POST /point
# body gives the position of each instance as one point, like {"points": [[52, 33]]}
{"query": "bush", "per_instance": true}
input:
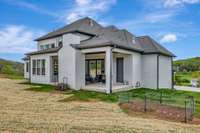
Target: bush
{"points": [[185, 81], [7, 69], [177, 79], [198, 82]]}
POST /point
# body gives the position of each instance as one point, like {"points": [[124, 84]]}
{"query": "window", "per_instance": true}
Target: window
{"points": [[47, 46], [27, 66], [60, 43], [42, 47], [43, 67], [38, 67], [52, 45], [34, 67]]}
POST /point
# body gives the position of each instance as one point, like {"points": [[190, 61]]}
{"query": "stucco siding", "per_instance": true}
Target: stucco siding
{"points": [[149, 71], [165, 72], [136, 66], [80, 69], [71, 62]]}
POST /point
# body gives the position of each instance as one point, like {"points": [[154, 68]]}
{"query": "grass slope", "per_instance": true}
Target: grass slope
{"points": [[11, 69]]}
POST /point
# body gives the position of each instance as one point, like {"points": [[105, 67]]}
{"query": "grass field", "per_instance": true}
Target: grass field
{"points": [[23, 108], [169, 97]]}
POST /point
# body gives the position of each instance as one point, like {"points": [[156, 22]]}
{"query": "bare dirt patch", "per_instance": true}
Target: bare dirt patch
{"points": [[158, 111], [29, 111]]}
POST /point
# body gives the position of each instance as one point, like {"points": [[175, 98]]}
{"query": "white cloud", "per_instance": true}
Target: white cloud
{"points": [[83, 2], [31, 6], [156, 17], [17, 39], [168, 38], [83, 8], [172, 3]]}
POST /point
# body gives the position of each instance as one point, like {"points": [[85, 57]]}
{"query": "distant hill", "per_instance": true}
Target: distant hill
{"points": [[11, 67], [188, 65]]}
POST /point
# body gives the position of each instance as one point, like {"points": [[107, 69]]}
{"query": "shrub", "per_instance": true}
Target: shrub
{"points": [[7, 69], [198, 82], [177, 79], [185, 81]]}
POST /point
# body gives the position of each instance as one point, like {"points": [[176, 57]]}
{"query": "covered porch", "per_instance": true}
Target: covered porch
{"points": [[107, 69]]}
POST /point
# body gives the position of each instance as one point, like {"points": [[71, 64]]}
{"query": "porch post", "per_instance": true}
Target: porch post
{"points": [[108, 70]]}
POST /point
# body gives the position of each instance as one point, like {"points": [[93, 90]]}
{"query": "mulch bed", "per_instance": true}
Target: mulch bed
{"points": [[157, 111]]}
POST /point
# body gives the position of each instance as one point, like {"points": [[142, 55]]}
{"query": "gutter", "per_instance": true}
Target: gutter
{"points": [[30, 69], [172, 73], [158, 70]]}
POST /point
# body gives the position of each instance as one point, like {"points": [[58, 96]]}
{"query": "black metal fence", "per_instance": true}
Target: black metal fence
{"points": [[150, 100]]}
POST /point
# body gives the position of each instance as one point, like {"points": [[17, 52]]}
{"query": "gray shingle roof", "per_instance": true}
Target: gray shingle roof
{"points": [[151, 46], [109, 36], [45, 51], [113, 37], [82, 26]]}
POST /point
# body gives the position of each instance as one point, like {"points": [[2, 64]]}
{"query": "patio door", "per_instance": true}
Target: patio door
{"points": [[120, 70], [94, 70], [54, 72]]}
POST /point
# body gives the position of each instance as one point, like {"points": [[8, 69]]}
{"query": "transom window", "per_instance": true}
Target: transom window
{"points": [[47, 46]]}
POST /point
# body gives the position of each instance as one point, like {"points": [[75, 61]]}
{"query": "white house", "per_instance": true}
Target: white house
{"points": [[86, 55]]}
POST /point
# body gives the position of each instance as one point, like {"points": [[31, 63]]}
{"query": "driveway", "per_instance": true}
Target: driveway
{"points": [[27, 111], [187, 88]]}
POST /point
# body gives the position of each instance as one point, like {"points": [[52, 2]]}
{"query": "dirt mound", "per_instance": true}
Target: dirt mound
{"points": [[158, 111]]}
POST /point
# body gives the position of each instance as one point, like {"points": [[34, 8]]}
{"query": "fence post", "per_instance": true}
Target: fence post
{"points": [[128, 98], [192, 106], [160, 97], [185, 111], [145, 103]]}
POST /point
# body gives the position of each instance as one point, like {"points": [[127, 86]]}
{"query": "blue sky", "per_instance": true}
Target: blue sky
{"points": [[173, 23]]}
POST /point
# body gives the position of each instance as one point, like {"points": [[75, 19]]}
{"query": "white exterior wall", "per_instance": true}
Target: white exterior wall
{"points": [[55, 40], [71, 62], [137, 68], [49, 41], [26, 74], [149, 71], [82, 36], [165, 72], [42, 79], [127, 67]]}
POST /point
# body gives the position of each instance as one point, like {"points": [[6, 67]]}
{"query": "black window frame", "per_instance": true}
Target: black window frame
{"points": [[27, 67], [34, 67], [43, 63]]}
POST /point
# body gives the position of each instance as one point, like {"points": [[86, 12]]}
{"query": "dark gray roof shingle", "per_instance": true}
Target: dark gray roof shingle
{"points": [[45, 51], [151, 46], [109, 36], [85, 25]]}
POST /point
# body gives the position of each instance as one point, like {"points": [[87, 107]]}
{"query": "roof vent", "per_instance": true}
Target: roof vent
{"points": [[133, 41], [91, 23]]}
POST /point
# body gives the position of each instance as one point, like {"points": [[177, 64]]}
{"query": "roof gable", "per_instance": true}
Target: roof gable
{"points": [[84, 26]]}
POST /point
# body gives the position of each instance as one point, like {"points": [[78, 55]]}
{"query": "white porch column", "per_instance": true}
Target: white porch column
{"points": [[108, 70]]}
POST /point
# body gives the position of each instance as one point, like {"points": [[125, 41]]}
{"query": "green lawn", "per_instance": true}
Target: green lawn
{"points": [[169, 97]]}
